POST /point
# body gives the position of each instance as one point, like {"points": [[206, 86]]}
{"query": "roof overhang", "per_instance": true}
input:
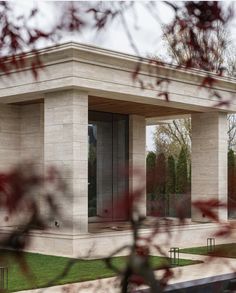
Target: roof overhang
{"points": [[108, 74]]}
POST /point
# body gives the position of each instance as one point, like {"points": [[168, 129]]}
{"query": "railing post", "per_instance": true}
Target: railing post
{"points": [[3, 278], [210, 245], [174, 256]]}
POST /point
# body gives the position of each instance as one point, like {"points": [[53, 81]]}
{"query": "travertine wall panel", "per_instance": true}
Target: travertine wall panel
{"points": [[209, 161], [9, 145], [9, 136], [51, 73], [137, 158], [66, 147], [32, 134], [21, 140]]}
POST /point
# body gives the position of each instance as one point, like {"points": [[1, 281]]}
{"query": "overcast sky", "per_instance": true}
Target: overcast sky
{"points": [[143, 27]]}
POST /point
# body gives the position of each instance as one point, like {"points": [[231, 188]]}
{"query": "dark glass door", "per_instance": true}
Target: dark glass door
{"points": [[107, 162]]}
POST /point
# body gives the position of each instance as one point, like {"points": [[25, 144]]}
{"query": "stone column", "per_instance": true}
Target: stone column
{"points": [[137, 158], [209, 161], [66, 147]]}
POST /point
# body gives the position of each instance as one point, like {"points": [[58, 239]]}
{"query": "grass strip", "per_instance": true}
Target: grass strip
{"points": [[221, 250], [45, 268]]}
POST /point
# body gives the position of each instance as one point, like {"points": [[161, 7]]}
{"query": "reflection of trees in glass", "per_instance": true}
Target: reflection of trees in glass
{"points": [[182, 173], [231, 184], [92, 169], [171, 176], [168, 185]]}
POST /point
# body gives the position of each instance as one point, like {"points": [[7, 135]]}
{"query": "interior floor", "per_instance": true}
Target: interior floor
{"points": [[148, 223]]}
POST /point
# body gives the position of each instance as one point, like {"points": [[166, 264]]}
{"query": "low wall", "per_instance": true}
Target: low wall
{"points": [[98, 245]]}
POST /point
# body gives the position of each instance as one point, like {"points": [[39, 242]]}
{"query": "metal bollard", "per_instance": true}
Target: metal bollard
{"points": [[211, 245], [3, 278], [174, 256]]}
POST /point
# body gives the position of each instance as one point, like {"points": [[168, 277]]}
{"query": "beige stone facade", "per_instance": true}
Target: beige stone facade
{"points": [[209, 161], [22, 134], [137, 159], [46, 120], [66, 148]]}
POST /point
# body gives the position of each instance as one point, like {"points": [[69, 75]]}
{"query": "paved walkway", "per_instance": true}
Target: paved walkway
{"points": [[215, 268]]}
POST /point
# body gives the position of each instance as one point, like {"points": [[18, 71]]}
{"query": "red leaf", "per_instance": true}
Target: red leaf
{"points": [[165, 95]]}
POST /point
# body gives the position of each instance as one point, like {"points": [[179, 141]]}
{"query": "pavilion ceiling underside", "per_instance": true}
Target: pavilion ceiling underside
{"points": [[127, 107]]}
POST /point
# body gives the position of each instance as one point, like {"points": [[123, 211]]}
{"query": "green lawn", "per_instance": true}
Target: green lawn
{"points": [[221, 250], [46, 268]]}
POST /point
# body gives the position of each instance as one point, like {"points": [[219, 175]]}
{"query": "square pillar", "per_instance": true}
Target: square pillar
{"points": [[66, 147], [209, 161], [137, 158]]}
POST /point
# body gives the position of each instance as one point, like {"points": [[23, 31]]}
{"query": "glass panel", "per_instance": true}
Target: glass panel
{"points": [[104, 169], [120, 167], [108, 159], [92, 171]]}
